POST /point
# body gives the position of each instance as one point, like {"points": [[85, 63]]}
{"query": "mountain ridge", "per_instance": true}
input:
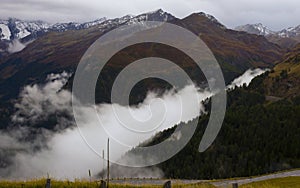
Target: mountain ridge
{"points": [[26, 31]]}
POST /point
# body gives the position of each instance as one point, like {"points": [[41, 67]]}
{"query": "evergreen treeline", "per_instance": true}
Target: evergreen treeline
{"points": [[257, 137]]}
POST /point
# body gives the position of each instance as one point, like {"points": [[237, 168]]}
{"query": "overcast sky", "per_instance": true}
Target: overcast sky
{"points": [[276, 14]]}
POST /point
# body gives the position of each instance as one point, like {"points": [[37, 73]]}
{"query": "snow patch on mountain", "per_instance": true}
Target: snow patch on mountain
{"points": [[290, 32], [4, 32], [15, 46], [16, 33], [258, 29]]}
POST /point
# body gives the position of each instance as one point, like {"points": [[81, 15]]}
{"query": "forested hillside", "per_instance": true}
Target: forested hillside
{"points": [[257, 137]]}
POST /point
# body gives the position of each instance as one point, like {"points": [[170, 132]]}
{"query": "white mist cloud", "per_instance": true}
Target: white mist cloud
{"points": [[15, 46], [67, 154], [246, 78], [40, 101]]}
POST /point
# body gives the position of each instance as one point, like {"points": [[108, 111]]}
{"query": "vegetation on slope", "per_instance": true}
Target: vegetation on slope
{"points": [[289, 182]]}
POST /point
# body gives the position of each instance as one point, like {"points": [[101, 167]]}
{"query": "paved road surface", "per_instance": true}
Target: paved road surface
{"points": [[221, 183], [225, 183]]}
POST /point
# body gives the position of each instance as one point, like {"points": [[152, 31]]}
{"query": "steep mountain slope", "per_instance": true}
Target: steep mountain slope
{"points": [[237, 51]]}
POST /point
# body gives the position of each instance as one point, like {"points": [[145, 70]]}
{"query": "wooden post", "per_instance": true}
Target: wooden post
{"points": [[235, 185], [48, 181], [90, 175], [107, 182], [103, 161], [103, 184]]}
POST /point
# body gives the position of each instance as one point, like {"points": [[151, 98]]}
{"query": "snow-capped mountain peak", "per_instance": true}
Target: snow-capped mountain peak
{"points": [[18, 29], [157, 15], [15, 30], [290, 32], [258, 29], [12, 28]]}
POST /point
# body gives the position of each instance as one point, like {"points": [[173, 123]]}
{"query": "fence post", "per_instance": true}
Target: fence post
{"points": [[103, 184], [48, 183], [167, 184], [235, 185]]}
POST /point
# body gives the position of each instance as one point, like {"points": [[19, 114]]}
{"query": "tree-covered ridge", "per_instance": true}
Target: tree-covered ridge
{"points": [[257, 137]]}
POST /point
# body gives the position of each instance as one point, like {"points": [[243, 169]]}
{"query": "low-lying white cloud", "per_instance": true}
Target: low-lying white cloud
{"points": [[39, 101], [15, 46], [246, 78], [67, 154]]}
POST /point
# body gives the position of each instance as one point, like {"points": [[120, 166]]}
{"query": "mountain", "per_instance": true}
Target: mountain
{"points": [[26, 31], [287, 38], [290, 32], [18, 29], [29, 30], [14, 31], [258, 29], [235, 51], [57, 51]]}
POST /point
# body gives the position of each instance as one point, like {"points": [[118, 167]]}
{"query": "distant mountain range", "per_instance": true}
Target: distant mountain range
{"points": [[26, 31], [15, 34], [287, 37], [258, 29]]}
